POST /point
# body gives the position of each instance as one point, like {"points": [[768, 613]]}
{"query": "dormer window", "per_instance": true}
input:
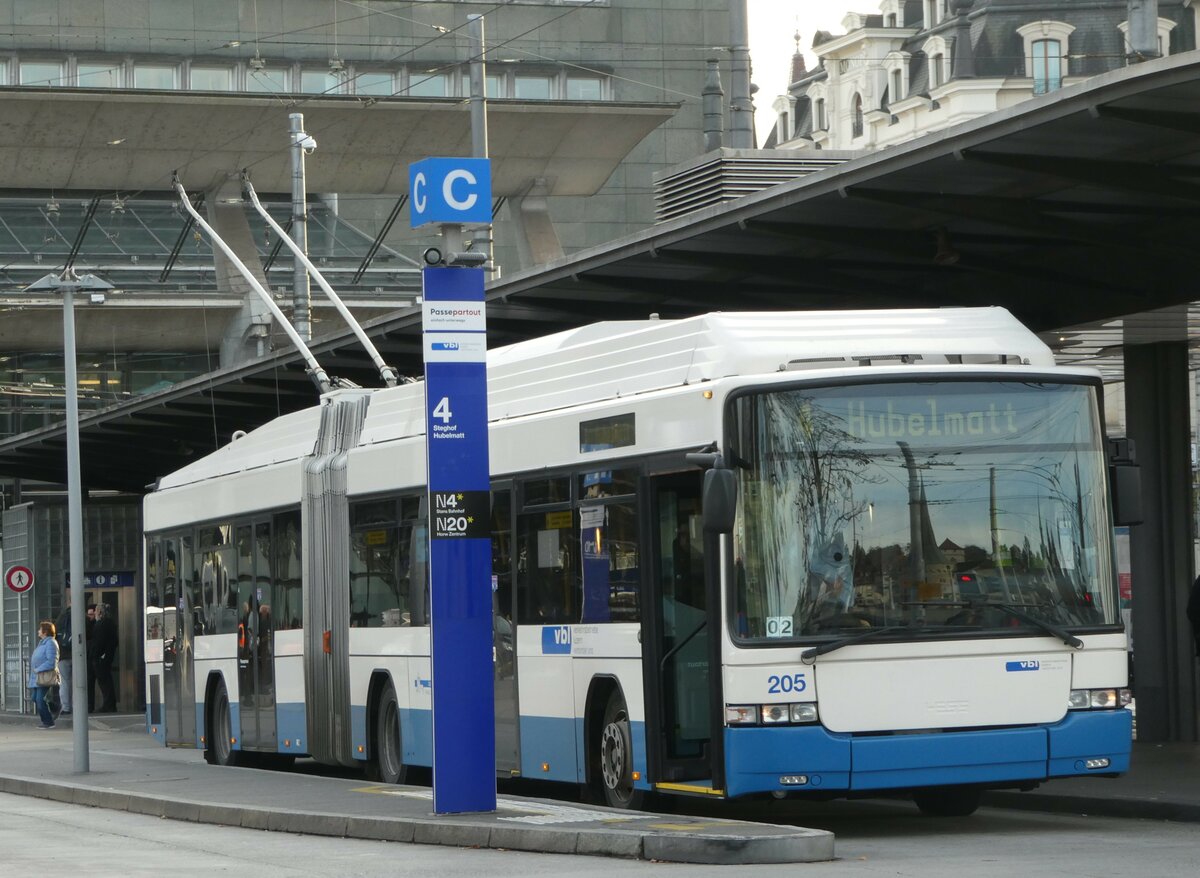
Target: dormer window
{"points": [[820, 117], [1047, 66], [1046, 46], [856, 123], [936, 56], [1165, 26], [893, 13]]}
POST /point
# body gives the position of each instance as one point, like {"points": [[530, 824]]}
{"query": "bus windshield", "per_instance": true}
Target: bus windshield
{"points": [[935, 506]]}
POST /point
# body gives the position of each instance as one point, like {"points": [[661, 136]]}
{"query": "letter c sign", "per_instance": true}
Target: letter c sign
{"points": [[445, 190]]}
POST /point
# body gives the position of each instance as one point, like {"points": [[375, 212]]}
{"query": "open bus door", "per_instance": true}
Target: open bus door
{"points": [[680, 623]]}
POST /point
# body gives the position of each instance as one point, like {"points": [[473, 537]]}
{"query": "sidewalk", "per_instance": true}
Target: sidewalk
{"points": [[132, 772]]}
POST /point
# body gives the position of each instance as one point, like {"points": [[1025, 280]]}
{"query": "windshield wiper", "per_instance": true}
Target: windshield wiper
{"points": [[809, 656], [1049, 627]]}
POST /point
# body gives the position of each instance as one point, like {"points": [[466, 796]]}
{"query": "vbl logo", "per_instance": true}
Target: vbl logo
{"points": [[556, 640], [1027, 665]]}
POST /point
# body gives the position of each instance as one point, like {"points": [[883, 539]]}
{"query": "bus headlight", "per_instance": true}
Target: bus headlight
{"points": [[769, 714], [741, 714], [804, 713], [1098, 699], [774, 713]]}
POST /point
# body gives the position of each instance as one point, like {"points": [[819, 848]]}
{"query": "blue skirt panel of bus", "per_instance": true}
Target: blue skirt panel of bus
{"points": [[893, 761], [557, 743], [159, 731], [291, 728], [1091, 734], [757, 757]]}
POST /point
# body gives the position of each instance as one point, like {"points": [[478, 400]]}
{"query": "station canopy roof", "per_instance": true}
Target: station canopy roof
{"points": [[132, 141], [1077, 211]]}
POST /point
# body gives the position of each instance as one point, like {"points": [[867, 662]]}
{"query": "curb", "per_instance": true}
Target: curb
{"points": [[1129, 809], [783, 845]]}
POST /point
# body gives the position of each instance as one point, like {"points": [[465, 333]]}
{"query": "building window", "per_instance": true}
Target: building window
{"points": [[585, 88], [428, 85], [1046, 45], [318, 82], [267, 79], [155, 76], [90, 75], [41, 73], [822, 121], [493, 86], [856, 125], [211, 78], [534, 88], [1047, 66], [374, 83], [1165, 26], [936, 64], [897, 85]]}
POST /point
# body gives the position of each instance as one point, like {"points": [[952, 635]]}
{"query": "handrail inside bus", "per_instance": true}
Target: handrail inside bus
{"points": [[680, 645]]}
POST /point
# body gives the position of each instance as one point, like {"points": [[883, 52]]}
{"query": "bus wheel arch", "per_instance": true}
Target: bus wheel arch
{"points": [[609, 745], [219, 735], [385, 741]]}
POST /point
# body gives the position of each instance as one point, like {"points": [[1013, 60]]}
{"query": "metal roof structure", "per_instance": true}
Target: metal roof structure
{"points": [[1076, 211]]}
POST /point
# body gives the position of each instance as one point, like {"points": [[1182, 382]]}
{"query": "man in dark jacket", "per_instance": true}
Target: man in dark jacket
{"points": [[106, 655], [63, 628], [1193, 613]]}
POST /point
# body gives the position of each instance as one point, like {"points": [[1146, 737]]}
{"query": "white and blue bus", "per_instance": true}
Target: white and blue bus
{"points": [[832, 554]]}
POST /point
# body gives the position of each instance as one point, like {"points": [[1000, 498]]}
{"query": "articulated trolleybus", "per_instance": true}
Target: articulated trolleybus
{"points": [[825, 554]]}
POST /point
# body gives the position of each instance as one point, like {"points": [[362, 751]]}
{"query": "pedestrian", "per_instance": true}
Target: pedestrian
{"points": [[90, 632], [43, 672], [1193, 613], [106, 655], [65, 664]]}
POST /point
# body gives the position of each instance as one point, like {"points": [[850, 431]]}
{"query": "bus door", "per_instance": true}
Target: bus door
{"points": [[678, 628], [179, 694], [256, 636], [504, 644]]}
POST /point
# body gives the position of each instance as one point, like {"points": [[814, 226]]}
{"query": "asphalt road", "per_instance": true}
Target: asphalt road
{"points": [[874, 839]]}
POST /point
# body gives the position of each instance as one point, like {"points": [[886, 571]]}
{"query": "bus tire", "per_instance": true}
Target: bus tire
{"points": [[614, 757], [948, 801], [218, 746], [386, 764]]}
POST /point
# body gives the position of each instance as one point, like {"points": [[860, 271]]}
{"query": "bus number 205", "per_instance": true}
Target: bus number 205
{"points": [[777, 683]]}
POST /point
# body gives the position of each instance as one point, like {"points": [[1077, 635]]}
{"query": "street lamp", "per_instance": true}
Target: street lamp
{"points": [[68, 284]]}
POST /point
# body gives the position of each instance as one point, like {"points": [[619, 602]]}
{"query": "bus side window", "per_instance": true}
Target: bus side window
{"points": [[286, 571], [548, 577]]}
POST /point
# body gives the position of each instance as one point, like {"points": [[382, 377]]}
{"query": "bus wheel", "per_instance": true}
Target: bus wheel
{"points": [[218, 749], [386, 763], [616, 757], [948, 801]]}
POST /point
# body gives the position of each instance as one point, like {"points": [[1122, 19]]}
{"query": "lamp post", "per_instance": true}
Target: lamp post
{"points": [[68, 284]]}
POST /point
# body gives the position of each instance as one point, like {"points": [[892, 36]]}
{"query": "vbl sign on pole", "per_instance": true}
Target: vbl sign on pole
{"points": [[460, 548]]}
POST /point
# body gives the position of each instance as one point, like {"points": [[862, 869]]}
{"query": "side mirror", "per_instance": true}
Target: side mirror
{"points": [[720, 500], [1126, 479]]}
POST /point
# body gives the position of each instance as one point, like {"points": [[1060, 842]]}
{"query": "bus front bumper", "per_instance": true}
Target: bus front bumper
{"points": [[811, 759]]}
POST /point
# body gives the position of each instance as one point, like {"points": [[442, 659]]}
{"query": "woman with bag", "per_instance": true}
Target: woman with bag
{"points": [[43, 672]]}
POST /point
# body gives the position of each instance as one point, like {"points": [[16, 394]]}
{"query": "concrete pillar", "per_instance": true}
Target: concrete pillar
{"points": [[246, 333], [1158, 407], [537, 238]]}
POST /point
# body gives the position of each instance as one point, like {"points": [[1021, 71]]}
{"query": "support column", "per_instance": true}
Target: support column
{"points": [[1158, 407], [245, 336]]}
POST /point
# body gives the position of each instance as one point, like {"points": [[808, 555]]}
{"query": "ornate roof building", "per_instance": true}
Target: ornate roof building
{"points": [[919, 66]]}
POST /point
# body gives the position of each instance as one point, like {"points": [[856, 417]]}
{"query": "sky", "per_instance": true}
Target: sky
{"points": [[772, 24]]}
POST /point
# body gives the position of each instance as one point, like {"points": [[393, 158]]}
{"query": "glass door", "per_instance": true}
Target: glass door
{"points": [[678, 646]]}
